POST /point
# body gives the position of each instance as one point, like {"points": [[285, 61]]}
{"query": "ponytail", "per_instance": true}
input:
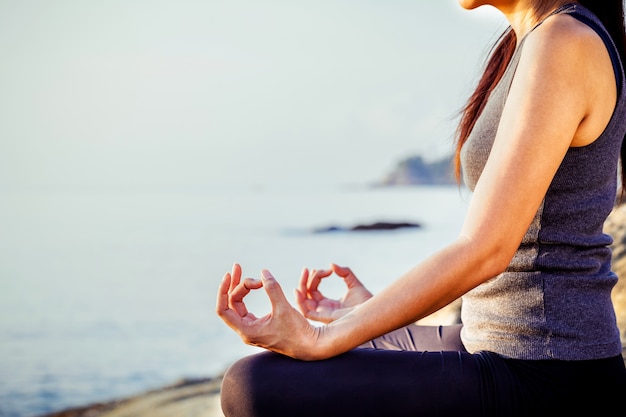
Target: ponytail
{"points": [[494, 70]]}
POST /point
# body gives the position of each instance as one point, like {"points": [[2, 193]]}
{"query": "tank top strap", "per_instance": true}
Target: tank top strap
{"points": [[587, 17]]}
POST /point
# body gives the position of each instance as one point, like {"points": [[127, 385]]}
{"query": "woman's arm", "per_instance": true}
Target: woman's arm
{"points": [[553, 104]]}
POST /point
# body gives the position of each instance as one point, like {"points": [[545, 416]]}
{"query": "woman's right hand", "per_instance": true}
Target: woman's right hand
{"points": [[315, 306]]}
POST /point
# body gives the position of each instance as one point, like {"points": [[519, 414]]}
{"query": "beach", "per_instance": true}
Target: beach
{"points": [[186, 398]]}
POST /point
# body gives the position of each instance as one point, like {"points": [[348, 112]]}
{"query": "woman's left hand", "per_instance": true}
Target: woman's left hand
{"points": [[284, 330], [316, 306]]}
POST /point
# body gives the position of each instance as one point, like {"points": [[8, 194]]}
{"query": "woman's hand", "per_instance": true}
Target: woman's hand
{"points": [[283, 330], [315, 306]]}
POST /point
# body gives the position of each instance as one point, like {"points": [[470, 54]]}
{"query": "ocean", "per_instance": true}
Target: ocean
{"points": [[105, 294]]}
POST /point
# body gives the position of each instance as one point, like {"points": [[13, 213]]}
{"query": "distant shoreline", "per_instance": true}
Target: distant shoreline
{"points": [[197, 397]]}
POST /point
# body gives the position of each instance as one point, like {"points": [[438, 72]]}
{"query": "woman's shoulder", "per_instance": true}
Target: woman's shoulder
{"points": [[565, 57], [569, 49], [564, 35]]}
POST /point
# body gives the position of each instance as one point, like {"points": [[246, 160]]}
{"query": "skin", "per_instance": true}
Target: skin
{"points": [[563, 96]]}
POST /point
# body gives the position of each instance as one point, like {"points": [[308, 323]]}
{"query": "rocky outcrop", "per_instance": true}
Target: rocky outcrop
{"points": [[616, 227], [416, 170], [186, 398], [368, 227]]}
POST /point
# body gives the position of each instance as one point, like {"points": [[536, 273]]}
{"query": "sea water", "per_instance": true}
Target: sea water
{"points": [[105, 294]]}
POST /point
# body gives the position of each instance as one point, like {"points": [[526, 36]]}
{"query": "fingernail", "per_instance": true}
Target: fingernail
{"points": [[266, 274]]}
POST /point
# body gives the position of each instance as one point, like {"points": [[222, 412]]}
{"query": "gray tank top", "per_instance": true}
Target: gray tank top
{"points": [[554, 299]]}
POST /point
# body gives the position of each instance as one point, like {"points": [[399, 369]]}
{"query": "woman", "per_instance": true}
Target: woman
{"points": [[539, 143]]}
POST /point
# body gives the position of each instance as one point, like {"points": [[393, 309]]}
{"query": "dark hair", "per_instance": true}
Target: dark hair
{"points": [[610, 13]]}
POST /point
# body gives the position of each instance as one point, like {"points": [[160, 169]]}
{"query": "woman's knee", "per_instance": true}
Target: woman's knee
{"points": [[245, 384], [236, 388]]}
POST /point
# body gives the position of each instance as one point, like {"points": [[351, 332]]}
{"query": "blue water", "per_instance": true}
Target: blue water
{"points": [[107, 294]]}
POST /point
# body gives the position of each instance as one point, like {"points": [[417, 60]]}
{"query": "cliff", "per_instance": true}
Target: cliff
{"points": [[416, 170]]}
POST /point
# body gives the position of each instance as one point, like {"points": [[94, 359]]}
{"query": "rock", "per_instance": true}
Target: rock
{"points": [[186, 398], [416, 170], [616, 227], [384, 226], [367, 227]]}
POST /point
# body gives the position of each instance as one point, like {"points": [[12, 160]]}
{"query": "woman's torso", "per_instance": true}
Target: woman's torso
{"points": [[553, 301]]}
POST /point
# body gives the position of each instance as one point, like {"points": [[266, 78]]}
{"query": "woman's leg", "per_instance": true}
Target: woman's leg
{"points": [[368, 382], [374, 380], [415, 338], [420, 371]]}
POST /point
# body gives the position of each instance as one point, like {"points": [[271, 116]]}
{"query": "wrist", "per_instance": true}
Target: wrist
{"points": [[320, 347], [335, 338]]}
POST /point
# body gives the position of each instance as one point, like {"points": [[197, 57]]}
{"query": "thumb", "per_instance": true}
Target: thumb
{"points": [[273, 289], [347, 275], [342, 271]]}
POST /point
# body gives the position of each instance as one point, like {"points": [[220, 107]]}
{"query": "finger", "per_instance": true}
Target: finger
{"points": [[221, 304], [236, 276], [346, 273], [301, 301], [237, 295], [304, 279], [244, 288], [242, 324], [313, 315], [230, 317], [314, 281], [342, 271], [316, 315], [273, 290]]}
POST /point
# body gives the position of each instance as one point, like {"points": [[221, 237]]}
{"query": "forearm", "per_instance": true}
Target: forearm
{"points": [[426, 288]]}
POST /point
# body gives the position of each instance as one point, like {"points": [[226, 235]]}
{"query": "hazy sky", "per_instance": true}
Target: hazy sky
{"points": [[218, 92]]}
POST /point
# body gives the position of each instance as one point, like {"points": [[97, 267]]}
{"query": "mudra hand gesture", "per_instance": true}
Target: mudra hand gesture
{"points": [[284, 329], [315, 306]]}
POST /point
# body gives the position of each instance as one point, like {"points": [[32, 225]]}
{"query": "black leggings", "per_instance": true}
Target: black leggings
{"points": [[421, 371]]}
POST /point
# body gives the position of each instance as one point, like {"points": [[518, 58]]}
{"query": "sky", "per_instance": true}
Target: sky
{"points": [[186, 93]]}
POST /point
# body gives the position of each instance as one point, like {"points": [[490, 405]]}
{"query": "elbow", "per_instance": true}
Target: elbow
{"points": [[489, 258], [499, 262]]}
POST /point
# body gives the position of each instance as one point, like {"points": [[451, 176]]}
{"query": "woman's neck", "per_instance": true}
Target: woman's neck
{"points": [[524, 15]]}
